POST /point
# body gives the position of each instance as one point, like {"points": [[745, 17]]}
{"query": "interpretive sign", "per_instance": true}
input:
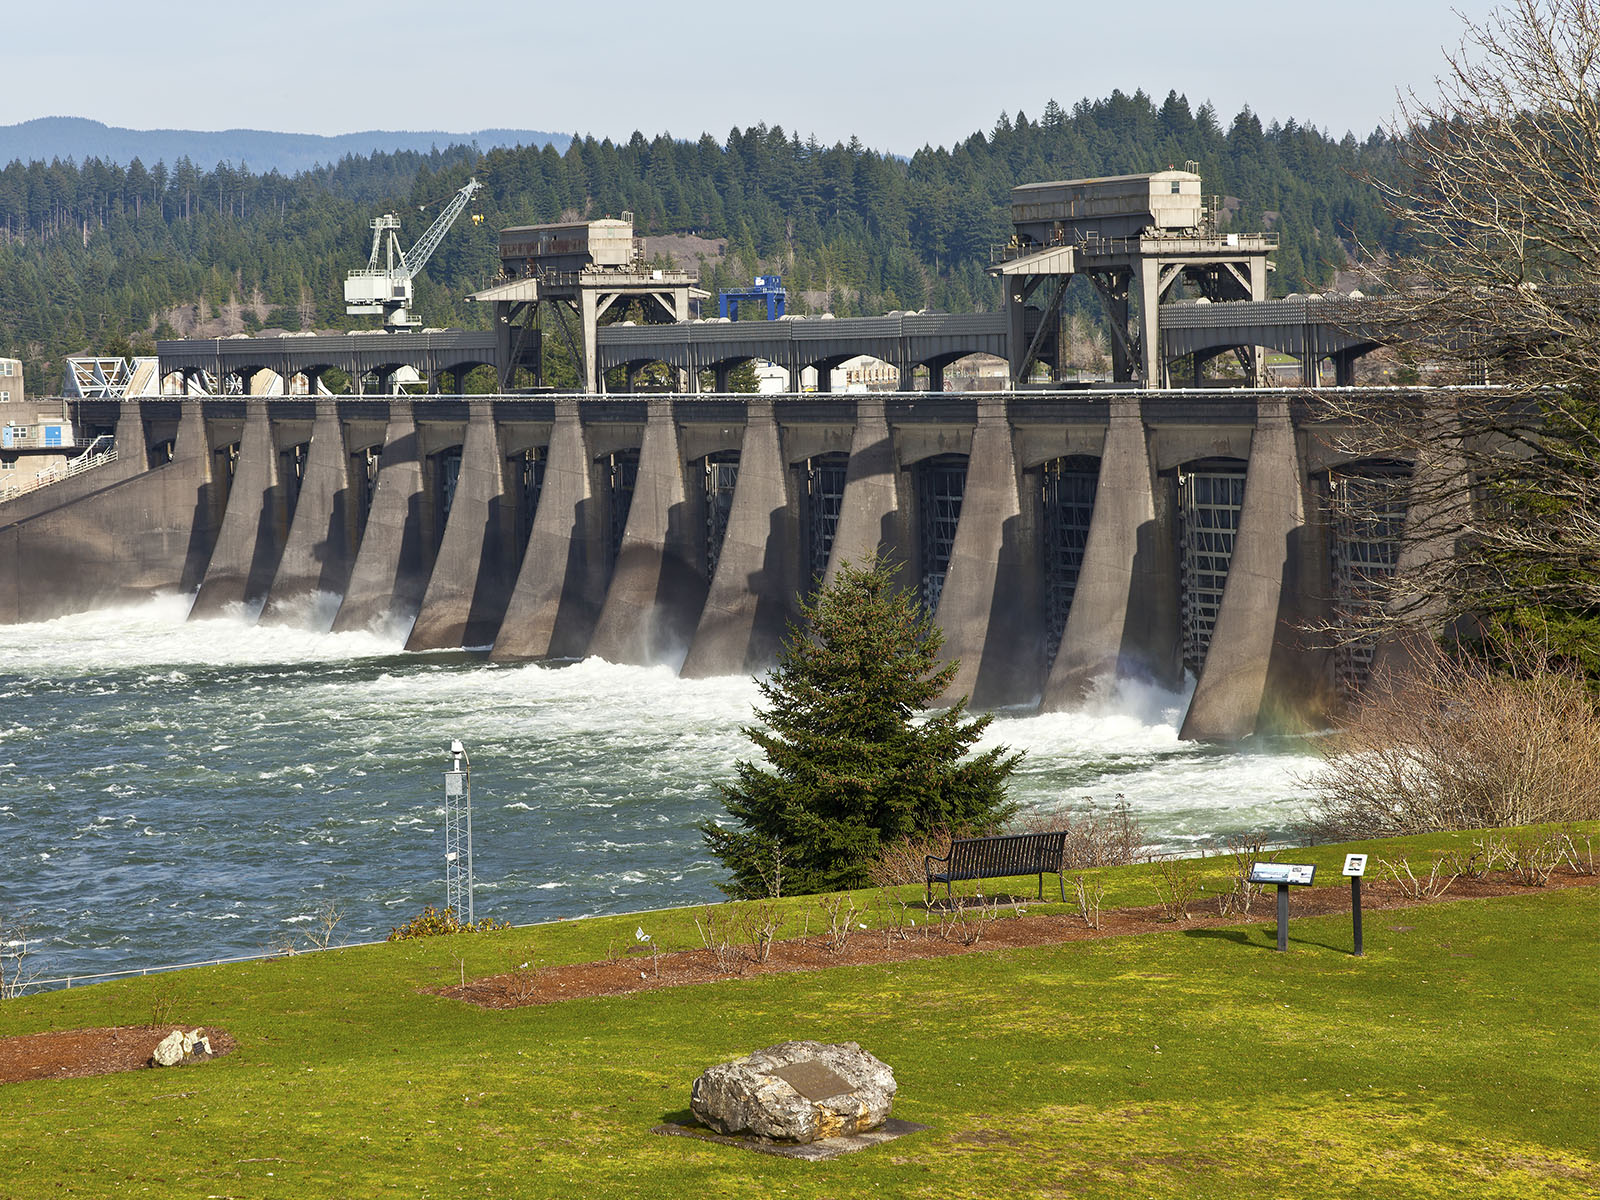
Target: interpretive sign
{"points": [[1355, 866], [1283, 875], [1299, 874]]}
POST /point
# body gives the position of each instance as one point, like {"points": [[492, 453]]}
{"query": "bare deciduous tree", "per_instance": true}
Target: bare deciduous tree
{"points": [[15, 970], [1499, 188]]}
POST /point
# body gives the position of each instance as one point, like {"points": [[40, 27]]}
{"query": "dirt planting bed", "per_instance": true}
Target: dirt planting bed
{"points": [[936, 934]]}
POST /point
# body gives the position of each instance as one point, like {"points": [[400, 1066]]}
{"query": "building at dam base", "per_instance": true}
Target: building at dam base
{"points": [[1062, 539]]}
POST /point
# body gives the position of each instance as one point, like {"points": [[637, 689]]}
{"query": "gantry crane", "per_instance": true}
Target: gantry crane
{"points": [[386, 289]]}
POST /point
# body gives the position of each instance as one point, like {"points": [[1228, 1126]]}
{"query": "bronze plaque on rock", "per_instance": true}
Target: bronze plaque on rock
{"points": [[812, 1079]]}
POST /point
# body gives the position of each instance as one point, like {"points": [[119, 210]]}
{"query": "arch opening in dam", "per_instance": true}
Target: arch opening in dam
{"points": [[719, 476], [619, 475], [823, 479], [292, 476], [527, 469], [364, 466], [444, 478], [940, 484], [1210, 501], [1067, 488], [1364, 505]]}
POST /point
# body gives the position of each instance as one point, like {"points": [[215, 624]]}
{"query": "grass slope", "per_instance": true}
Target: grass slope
{"points": [[1459, 1056]]}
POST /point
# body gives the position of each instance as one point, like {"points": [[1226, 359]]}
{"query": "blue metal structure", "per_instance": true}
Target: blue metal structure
{"points": [[766, 287]]}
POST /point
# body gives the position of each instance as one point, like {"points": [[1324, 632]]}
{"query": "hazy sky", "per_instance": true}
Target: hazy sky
{"points": [[897, 75]]}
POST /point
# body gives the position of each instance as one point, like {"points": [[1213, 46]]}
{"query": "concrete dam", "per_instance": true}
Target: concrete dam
{"points": [[1062, 538]]}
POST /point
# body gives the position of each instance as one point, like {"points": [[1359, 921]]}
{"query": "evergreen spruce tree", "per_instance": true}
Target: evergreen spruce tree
{"points": [[852, 763]]}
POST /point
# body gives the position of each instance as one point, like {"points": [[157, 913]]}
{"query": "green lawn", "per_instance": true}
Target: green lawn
{"points": [[1458, 1058]]}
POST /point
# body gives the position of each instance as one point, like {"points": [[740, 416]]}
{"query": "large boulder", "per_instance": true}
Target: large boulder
{"points": [[169, 1052], [796, 1092]]}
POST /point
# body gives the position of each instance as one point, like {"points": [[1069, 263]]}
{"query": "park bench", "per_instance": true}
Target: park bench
{"points": [[999, 858]]}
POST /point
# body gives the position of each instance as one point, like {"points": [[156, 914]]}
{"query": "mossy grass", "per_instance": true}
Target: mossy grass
{"points": [[1458, 1057]]}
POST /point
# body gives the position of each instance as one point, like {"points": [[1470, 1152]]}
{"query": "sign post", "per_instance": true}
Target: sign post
{"points": [[1355, 866], [1283, 875]]}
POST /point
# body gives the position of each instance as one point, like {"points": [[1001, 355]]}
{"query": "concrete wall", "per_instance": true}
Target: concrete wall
{"points": [[869, 523], [240, 571], [1111, 630], [1228, 697], [142, 535], [321, 547], [562, 584], [394, 560], [477, 564], [752, 594], [658, 585], [989, 608]]}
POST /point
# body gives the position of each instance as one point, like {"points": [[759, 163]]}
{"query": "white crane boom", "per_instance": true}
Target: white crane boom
{"points": [[387, 289]]}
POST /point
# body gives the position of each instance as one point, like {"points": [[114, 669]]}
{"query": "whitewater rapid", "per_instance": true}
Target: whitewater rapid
{"points": [[181, 790]]}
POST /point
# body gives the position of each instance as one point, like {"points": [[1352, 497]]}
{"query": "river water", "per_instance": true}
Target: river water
{"points": [[181, 790]]}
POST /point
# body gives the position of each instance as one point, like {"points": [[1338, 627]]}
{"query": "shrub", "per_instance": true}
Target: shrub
{"points": [[1177, 887], [437, 922], [1095, 839], [1416, 887], [903, 861], [1455, 744]]}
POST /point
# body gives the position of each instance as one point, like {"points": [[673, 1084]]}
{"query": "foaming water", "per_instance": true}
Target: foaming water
{"points": [[183, 789]]}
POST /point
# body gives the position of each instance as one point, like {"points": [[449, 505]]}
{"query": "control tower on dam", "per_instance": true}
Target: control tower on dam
{"points": [[1060, 538]]}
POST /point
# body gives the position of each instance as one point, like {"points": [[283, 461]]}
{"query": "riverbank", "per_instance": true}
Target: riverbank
{"points": [[1458, 1055]]}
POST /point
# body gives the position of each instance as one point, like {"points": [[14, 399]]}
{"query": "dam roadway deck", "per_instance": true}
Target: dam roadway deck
{"points": [[1061, 537]]}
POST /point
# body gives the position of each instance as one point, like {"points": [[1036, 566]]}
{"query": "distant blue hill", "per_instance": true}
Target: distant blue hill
{"points": [[261, 151]]}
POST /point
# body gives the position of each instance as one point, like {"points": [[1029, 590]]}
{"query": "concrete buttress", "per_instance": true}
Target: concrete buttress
{"points": [[1228, 698], [657, 587], [869, 509], [251, 540], [1118, 576], [989, 605], [562, 584], [472, 576], [320, 549], [742, 625], [391, 567]]}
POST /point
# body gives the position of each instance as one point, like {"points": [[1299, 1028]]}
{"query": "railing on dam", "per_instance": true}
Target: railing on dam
{"points": [[78, 466]]}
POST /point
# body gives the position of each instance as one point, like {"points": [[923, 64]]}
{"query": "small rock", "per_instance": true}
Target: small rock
{"points": [[796, 1092]]}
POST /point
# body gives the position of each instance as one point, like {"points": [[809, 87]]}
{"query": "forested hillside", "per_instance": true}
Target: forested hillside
{"points": [[95, 256], [261, 150]]}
